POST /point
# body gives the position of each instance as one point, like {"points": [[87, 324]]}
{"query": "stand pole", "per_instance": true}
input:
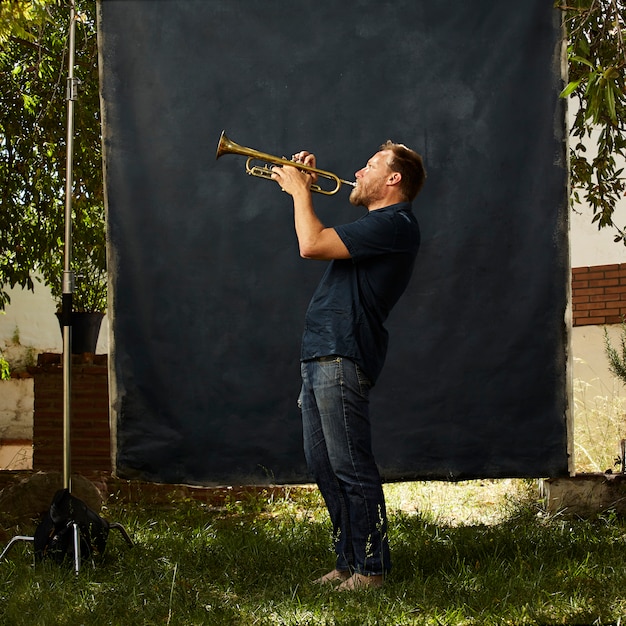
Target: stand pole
{"points": [[68, 276]]}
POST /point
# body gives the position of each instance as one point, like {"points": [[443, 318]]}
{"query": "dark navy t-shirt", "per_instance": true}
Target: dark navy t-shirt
{"points": [[354, 297]]}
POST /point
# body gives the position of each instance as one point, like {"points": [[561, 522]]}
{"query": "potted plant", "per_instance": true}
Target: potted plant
{"points": [[88, 264]]}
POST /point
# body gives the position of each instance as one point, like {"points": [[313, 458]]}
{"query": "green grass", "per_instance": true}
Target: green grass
{"points": [[476, 553]]}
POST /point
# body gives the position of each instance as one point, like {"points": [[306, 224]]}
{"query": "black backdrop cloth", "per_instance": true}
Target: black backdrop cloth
{"points": [[208, 292]]}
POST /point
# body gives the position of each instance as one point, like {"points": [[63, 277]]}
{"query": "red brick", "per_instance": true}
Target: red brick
{"points": [[594, 321], [605, 268], [604, 282], [605, 297], [587, 306], [591, 291], [620, 289]]}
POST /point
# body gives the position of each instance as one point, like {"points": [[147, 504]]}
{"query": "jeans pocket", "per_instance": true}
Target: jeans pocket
{"points": [[364, 382]]}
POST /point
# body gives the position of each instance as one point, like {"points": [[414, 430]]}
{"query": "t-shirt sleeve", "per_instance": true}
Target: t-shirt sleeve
{"points": [[369, 236]]}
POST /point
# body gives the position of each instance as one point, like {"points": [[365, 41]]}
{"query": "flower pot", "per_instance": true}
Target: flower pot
{"points": [[85, 331]]}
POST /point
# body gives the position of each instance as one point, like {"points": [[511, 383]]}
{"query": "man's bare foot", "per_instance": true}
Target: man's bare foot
{"points": [[359, 581], [334, 576]]}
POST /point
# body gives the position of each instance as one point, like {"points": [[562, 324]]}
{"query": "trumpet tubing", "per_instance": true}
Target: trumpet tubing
{"points": [[227, 146]]}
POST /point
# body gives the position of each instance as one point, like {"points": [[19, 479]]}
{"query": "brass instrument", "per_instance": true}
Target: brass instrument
{"points": [[227, 146]]}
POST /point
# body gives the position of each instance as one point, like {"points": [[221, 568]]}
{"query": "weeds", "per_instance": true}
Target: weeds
{"points": [[252, 563], [5, 371]]}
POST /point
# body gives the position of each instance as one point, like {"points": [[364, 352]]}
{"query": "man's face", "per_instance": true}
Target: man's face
{"points": [[371, 180]]}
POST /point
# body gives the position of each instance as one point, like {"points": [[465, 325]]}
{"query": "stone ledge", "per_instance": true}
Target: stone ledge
{"points": [[106, 486], [585, 495]]}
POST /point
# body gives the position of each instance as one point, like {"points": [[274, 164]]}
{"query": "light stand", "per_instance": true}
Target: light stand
{"points": [[68, 276]]}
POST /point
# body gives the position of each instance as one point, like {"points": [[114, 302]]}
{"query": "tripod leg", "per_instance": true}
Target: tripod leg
{"points": [[13, 542], [122, 530], [76, 537]]}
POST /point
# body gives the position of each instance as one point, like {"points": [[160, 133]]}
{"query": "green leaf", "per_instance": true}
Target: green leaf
{"points": [[578, 59], [610, 101], [570, 88]]}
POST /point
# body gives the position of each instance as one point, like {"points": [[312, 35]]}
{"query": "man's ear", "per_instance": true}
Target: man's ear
{"points": [[394, 178]]}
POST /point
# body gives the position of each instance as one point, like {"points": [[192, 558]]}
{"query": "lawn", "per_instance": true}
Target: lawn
{"points": [[477, 552], [480, 552]]}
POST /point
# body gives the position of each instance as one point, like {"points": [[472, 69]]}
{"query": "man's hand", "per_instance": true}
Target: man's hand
{"points": [[291, 179]]}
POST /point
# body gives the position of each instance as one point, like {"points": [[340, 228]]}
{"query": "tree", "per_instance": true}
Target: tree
{"points": [[33, 129], [597, 60]]}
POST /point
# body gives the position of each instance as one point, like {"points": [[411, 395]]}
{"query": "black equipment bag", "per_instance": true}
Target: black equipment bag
{"points": [[54, 537]]}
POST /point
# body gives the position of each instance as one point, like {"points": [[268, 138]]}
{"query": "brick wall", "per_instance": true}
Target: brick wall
{"points": [[599, 294], [90, 439]]}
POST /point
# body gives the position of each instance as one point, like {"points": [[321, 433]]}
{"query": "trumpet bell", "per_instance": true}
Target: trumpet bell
{"points": [[226, 146]]}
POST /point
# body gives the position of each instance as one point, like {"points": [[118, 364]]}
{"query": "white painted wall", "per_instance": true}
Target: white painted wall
{"points": [[590, 246], [31, 317]]}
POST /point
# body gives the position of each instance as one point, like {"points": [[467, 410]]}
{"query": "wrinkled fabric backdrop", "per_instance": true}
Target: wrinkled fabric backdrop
{"points": [[208, 292]]}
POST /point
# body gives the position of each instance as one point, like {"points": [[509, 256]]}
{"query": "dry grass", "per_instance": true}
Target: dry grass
{"points": [[599, 425]]}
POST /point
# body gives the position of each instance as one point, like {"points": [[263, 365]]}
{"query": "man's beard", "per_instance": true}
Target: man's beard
{"points": [[356, 197], [364, 195]]}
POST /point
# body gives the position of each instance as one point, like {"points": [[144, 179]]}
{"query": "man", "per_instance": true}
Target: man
{"points": [[345, 343]]}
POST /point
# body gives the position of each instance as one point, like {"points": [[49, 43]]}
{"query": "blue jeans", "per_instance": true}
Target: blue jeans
{"points": [[337, 444]]}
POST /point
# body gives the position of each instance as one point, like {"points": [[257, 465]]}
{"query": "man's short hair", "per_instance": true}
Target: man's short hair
{"points": [[409, 165]]}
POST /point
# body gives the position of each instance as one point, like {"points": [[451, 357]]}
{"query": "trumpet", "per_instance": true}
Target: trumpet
{"points": [[227, 146]]}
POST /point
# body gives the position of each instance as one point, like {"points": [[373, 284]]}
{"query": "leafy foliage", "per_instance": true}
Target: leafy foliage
{"points": [[33, 149], [596, 60]]}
